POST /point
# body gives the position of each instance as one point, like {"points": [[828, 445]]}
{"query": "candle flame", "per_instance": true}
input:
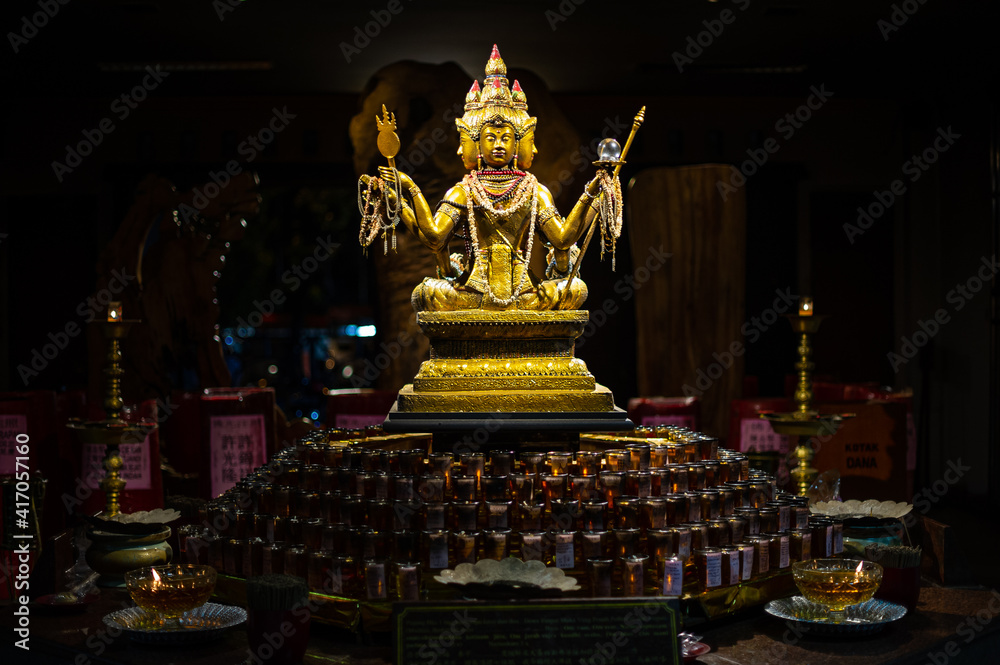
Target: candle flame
{"points": [[806, 307], [861, 564], [156, 578]]}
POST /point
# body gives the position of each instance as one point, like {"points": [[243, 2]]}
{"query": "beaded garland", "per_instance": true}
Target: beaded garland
{"points": [[610, 212], [513, 188], [372, 221]]}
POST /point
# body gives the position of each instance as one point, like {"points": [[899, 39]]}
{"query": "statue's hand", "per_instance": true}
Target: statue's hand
{"points": [[389, 175], [594, 186]]}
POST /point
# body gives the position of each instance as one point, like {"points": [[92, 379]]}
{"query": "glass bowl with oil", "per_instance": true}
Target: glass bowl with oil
{"points": [[837, 583], [171, 590]]}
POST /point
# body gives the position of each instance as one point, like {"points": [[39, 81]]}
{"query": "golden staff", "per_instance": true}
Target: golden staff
{"points": [[636, 123]]}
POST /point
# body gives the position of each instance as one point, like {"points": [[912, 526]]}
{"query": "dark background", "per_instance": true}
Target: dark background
{"points": [[892, 91]]}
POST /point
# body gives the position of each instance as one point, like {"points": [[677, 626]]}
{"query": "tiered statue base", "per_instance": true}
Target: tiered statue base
{"points": [[516, 363]]}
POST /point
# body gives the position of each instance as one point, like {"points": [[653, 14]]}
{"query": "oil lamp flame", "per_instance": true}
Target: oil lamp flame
{"points": [[156, 579], [806, 307], [861, 564]]}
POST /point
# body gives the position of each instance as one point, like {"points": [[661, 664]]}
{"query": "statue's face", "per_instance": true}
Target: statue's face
{"points": [[468, 150], [526, 151], [497, 145]]}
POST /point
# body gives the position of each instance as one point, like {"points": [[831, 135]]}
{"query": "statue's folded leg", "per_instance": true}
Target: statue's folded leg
{"points": [[553, 294], [440, 295]]}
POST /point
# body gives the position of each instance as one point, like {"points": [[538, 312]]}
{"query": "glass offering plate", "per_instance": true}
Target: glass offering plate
{"points": [[868, 617], [201, 624], [510, 578]]}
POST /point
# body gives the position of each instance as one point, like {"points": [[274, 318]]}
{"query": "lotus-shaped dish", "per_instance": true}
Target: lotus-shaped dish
{"points": [[508, 578], [855, 508]]}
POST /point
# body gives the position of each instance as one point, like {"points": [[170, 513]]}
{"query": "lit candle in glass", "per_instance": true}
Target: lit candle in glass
{"points": [[806, 306], [114, 312]]}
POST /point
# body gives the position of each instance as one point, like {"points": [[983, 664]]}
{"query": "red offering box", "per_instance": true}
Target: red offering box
{"points": [[357, 408], [238, 435], [652, 411]]}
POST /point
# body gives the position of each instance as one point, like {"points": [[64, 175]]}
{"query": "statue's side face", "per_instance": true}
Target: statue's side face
{"points": [[526, 151], [468, 150], [497, 145]]}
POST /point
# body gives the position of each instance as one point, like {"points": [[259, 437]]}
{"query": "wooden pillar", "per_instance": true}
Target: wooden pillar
{"points": [[690, 311]]}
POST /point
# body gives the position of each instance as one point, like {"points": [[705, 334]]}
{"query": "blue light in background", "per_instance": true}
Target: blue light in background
{"points": [[314, 415]]}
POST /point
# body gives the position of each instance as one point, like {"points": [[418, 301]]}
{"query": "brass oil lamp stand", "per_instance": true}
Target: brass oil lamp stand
{"points": [[804, 423], [113, 430]]}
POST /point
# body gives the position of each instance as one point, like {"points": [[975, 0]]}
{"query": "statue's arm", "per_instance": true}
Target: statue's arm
{"points": [[563, 233]]}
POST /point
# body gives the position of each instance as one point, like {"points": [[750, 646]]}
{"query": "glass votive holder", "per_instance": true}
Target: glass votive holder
{"points": [[533, 545], [628, 512], [593, 545], [626, 542], [501, 462], [297, 561], [612, 484], [554, 487], [465, 515], [320, 563], [522, 487], [712, 473], [534, 463], [465, 488], [531, 516], [465, 546], [312, 532], [272, 558], [564, 549], [432, 488], [594, 515], [405, 545], [708, 562], [672, 576], [498, 514], [563, 514], [654, 513], [583, 488], [440, 464], [282, 500], [800, 544], [405, 514], [495, 488], [355, 547], [434, 550], [496, 544], [375, 579], [380, 514], [694, 507], [639, 454], [618, 460], [658, 456], [711, 502], [377, 485], [599, 575], [589, 462], [352, 510], [727, 498], [761, 555], [473, 464], [678, 478], [411, 462], [334, 537], [660, 543], [408, 580], [434, 516], [634, 575], [558, 462], [403, 488], [719, 533]]}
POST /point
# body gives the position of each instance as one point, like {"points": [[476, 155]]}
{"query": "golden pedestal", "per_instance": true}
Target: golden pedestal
{"points": [[509, 361]]}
